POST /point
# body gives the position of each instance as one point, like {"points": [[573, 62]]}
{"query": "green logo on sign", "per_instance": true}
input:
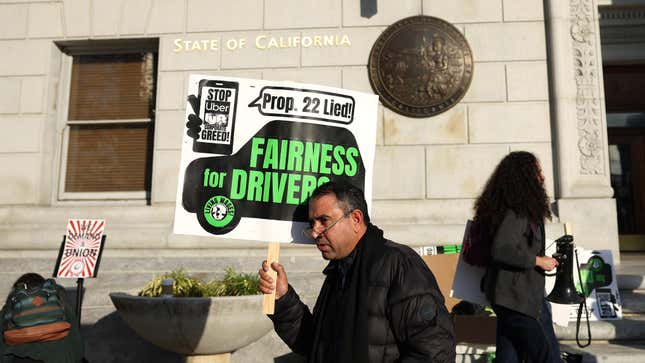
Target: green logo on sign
{"points": [[219, 211]]}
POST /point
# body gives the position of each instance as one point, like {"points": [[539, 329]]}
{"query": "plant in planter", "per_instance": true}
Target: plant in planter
{"points": [[233, 284], [202, 318]]}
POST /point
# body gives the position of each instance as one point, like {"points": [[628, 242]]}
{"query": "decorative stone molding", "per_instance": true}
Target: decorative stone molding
{"points": [[588, 107]]}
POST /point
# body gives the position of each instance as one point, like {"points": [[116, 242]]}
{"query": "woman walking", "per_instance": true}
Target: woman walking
{"points": [[511, 211]]}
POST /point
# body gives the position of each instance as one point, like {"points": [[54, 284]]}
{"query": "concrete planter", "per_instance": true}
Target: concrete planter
{"points": [[195, 325]]}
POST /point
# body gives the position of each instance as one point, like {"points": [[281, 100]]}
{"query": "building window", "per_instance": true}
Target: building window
{"points": [[108, 135]]}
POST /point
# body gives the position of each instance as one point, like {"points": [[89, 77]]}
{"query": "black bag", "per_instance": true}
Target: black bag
{"points": [[35, 314]]}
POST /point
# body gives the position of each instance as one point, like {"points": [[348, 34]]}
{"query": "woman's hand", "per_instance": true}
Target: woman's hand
{"points": [[546, 263]]}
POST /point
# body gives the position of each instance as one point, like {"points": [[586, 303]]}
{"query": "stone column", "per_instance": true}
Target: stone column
{"points": [[583, 188]]}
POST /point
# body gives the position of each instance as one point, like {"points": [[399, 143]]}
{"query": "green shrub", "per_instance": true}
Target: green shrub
{"points": [[233, 284]]}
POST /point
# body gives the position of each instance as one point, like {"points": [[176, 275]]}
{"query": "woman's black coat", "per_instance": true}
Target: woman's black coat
{"points": [[512, 280]]}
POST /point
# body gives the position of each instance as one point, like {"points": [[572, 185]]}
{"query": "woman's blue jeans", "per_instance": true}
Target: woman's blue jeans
{"points": [[520, 336]]}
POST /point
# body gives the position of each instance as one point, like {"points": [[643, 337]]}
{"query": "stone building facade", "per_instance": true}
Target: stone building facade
{"points": [[537, 86]]}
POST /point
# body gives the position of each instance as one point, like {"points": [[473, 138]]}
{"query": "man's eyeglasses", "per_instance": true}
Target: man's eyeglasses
{"points": [[307, 232]]}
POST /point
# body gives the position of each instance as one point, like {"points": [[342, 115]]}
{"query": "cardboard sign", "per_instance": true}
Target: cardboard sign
{"points": [[253, 151], [81, 250], [471, 329]]}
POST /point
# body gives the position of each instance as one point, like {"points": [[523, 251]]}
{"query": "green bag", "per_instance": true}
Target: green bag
{"points": [[34, 314]]}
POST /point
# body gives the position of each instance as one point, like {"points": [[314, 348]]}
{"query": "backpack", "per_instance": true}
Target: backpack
{"points": [[34, 314], [476, 245]]}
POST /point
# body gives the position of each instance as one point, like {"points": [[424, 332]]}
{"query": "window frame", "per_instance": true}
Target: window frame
{"points": [[96, 47]]}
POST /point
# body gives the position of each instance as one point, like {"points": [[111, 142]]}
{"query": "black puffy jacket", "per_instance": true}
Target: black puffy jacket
{"points": [[406, 317]]}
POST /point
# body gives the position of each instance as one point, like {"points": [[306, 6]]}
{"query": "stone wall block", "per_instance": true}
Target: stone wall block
{"points": [[10, 100], [21, 133], [165, 175], [507, 41], [527, 81], [24, 57], [106, 17], [523, 10], [388, 12], [169, 129], [77, 17], [488, 83], [285, 14], [380, 124], [460, 171], [32, 92], [446, 128], [399, 172], [13, 21], [357, 79], [509, 122], [464, 11], [324, 76], [239, 73], [423, 211], [135, 16], [171, 94], [340, 53], [45, 20], [195, 51], [20, 175], [261, 50], [594, 223], [168, 16], [208, 15]]}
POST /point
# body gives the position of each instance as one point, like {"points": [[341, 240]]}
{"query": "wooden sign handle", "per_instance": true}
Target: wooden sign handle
{"points": [[568, 229], [273, 255]]}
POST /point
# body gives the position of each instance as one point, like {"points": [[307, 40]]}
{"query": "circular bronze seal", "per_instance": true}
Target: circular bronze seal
{"points": [[420, 66]]}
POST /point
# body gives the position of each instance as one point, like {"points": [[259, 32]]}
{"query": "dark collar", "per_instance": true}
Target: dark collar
{"points": [[343, 265]]}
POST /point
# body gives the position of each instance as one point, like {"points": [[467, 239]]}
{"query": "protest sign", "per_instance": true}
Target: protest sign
{"points": [[80, 252], [600, 285], [253, 151]]}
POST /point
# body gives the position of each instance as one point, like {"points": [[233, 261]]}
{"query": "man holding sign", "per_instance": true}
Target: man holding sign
{"points": [[379, 301]]}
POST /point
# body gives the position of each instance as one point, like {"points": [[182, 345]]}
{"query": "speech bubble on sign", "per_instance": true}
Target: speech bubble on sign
{"points": [[306, 104]]}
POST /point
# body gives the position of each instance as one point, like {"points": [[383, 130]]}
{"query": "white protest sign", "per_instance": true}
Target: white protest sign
{"points": [[253, 151], [600, 285], [81, 251]]}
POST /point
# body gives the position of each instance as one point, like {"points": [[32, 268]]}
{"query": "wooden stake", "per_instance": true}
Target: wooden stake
{"points": [[216, 358], [273, 255], [568, 229]]}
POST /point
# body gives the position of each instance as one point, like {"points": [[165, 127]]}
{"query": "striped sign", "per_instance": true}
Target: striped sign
{"points": [[81, 249]]}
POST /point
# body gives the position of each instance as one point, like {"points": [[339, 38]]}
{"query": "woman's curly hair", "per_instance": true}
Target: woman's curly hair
{"points": [[515, 184]]}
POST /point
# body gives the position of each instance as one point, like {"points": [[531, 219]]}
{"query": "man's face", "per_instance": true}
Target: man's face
{"points": [[338, 241]]}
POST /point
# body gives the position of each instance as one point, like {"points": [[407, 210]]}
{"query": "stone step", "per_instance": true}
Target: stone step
{"points": [[608, 352], [633, 281], [598, 352], [633, 301], [631, 327]]}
